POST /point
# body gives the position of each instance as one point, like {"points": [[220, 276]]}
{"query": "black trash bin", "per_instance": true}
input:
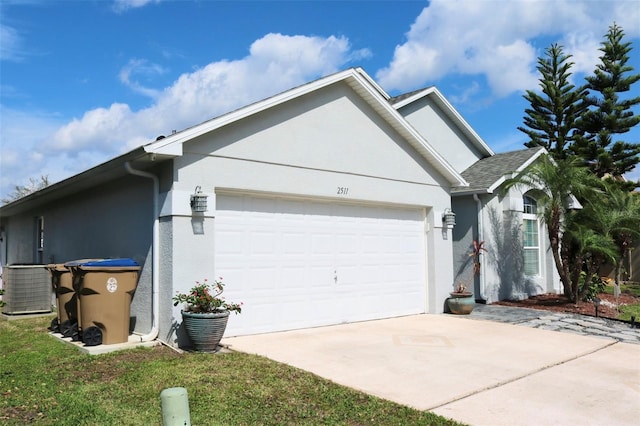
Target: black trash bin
{"points": [[105, 289], [66, 321]]}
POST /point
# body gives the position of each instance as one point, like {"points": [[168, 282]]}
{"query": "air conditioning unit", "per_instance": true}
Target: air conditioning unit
{"points": [[27, 289]]}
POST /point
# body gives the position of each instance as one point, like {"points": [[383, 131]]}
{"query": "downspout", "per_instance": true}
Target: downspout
{"points": [[155, 255], [483, 294]]}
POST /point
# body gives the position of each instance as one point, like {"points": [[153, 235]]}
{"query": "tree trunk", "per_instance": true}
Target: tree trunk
{"points": [[560, 259], [575, 278], [565, 272]]}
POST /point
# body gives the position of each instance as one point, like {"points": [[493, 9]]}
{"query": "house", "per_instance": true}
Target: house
{"points": [[325, 204], [484, 211], [517, 262]]}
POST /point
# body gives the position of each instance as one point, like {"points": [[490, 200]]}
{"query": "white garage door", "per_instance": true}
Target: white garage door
{"points": [[299, 263]]}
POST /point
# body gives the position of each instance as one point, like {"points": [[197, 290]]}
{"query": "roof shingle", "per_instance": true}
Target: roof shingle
{"points": [[485, 173]]}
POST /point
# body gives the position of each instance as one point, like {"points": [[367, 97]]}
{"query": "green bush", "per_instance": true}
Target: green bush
{"points": [[596, 286]]}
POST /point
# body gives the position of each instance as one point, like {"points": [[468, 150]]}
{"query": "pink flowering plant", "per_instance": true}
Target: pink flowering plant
{"points": [[204, 297]]}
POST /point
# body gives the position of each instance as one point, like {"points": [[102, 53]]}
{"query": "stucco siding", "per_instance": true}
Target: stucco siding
{"points": [[465, 231], [441, 133], [20, 235], [505, 277], [166, 322], [109, 221], [334, 130]]}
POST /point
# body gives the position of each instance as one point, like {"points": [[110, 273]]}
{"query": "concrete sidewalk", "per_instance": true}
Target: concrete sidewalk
{"points": [[476, 372]]}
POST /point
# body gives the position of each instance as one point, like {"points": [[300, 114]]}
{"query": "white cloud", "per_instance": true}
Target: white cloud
{"points": [[275, 63], [10, 48], [124, 5], [500, 40], [98, 129], [143, 68], [20, 154]]}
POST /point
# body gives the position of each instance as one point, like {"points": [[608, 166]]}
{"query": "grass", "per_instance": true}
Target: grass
{"points": [[46, 382], [628, 311]]}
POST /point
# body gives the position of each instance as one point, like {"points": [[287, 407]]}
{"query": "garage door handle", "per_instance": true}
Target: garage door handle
{"points": [[335, 276]]}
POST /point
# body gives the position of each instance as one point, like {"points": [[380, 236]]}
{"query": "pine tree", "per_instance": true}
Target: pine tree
{"points": [[609, 115], [550, 120]]}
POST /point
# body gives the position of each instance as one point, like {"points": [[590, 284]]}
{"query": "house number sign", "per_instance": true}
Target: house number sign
{"points": [[343, 190]]}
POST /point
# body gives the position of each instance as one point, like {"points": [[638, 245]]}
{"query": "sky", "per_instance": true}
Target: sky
{"points": [[84, 81]]}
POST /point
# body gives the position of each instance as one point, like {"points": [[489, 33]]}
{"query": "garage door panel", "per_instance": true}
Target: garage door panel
{"points": [[294, 278], [262, 242], [295, 243], [308, 263], [321, 276]]}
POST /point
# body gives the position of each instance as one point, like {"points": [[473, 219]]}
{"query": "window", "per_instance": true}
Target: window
{"points": [[531, 240], [39, 239]]}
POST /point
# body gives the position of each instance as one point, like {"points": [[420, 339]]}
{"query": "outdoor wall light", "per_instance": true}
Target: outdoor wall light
{"points": [[449, 218], [198, 201]]}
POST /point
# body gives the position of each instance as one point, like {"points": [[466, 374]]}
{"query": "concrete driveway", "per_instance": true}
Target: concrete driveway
{"points": [[476, 372]]}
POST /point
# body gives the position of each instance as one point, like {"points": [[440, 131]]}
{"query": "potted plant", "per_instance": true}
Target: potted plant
{"points": [[205, 313], [461, 301]]}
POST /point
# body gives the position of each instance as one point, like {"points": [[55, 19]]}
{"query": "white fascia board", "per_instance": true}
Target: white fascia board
{"points": [[534, 157], [496, 184], [470, 192], [168, 149], [372, 83]]}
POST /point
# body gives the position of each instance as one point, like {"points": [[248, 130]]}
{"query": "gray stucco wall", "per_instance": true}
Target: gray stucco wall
{"points": [[441, 133], [167, 325], [502, 269], [109, 221], [465, 231]]}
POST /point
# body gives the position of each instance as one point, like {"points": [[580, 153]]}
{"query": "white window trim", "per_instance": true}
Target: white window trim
{"points": [[533, 217]]}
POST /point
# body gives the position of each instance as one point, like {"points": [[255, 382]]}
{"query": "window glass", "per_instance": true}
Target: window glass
{"points": [[531, 240], [530, 205]]}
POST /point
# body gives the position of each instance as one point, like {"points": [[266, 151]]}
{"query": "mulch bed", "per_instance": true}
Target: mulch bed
{"points": [[560, 303]]}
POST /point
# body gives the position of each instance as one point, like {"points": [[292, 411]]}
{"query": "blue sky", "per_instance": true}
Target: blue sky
{"points": [[84, 81]]}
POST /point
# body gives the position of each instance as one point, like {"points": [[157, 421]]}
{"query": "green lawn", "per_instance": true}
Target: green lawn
{"points": [[46, 382], [628, 311]]}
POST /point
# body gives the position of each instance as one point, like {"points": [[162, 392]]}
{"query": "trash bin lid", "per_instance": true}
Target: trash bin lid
{"points": [[79, 262], [109, 263]]}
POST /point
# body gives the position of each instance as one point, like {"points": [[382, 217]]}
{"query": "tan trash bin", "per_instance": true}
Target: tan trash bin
{"points": [[105, 289]]}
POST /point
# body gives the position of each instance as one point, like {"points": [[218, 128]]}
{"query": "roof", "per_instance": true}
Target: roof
{"points": [[487, 174], [172, 146], [103, 173], [360, 82], [403, 96]]}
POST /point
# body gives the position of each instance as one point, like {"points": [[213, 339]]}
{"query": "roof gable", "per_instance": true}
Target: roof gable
{"points": [[487, 174], [358, 80], [450, 112], [172, 146]]}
